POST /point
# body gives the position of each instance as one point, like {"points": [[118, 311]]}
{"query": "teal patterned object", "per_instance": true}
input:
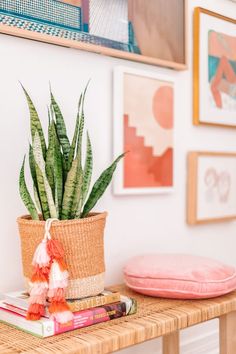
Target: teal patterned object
{"points": [[57, 31], [57, 19], [46, 11]]}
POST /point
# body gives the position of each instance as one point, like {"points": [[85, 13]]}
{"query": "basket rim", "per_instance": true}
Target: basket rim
{"points": [[26, 220]]}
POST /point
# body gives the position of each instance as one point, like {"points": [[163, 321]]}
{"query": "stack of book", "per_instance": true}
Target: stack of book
{"points": [[87, 311]]}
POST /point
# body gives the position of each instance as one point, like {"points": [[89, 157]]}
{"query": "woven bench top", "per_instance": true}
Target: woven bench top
{"points": [[155, 318]]}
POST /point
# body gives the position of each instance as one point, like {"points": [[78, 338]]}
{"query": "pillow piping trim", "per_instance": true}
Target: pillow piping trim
{"points": [[215, 294]]}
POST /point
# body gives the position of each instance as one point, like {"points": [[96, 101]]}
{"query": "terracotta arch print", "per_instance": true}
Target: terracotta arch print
{"points": [[148, 122]]}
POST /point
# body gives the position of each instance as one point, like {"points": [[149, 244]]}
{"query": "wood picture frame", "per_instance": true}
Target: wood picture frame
{"points": [[169, 33], [145, 130], [208, 29], [210, 187]]}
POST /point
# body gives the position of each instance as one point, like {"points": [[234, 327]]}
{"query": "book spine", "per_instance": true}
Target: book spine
{"points": [[93, 302], [93, 316], [46, 327], [14, 309]]}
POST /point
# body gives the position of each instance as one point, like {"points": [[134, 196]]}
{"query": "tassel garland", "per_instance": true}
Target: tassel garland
{"points": [[49, 280]]}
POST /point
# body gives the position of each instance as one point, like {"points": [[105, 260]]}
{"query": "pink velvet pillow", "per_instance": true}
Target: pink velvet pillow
{"points": [[179, 276]]}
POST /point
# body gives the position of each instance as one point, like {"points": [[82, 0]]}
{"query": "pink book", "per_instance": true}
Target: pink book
{"points": [[46, 327]]}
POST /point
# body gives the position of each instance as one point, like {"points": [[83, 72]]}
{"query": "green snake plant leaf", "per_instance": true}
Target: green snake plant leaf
{"points": [[75, 136], [61, 129], [100, 186], [35, 123], [50, 157], [32, 165], [37, 200], [57, 167], [38, 156], [25, 195], [81, 125], [42, 194], [69, 190], [88, 169], [77, 200]]}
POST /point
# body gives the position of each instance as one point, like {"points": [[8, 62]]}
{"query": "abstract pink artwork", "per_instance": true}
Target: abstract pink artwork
{"points": [[211, 187], [217, 185], [222, 69], [148, 119]]}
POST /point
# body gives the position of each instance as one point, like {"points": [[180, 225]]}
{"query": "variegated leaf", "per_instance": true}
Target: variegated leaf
{"points": [[32, 165], [100, 186], [69, 190], [25, 195], [75, 136], [58, 171], [35, 122], [42, 194], [61, 129], [37, 201], [38, 156], [77, 199], [50, 159]]}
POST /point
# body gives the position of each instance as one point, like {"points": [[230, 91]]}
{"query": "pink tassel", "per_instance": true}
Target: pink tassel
{"points": [[38, 299], [41, 256], [39, 289]]}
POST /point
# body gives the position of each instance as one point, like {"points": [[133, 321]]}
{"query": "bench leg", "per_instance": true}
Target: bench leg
{"points": [[228, 333], [170, 343]]}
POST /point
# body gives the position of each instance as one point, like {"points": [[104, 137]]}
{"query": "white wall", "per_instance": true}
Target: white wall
{"points": [[136, 224]]}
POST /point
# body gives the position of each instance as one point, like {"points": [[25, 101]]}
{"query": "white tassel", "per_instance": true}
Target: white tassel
{"points": [[62, 317], [41, 257], [57, 278]]}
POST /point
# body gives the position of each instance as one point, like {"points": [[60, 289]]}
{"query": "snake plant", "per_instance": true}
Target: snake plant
{"points": [[61, 180]]}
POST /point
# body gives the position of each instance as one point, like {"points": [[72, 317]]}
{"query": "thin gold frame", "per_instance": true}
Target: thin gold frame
{"points": [[196, 63], [17, 32], [192, 187]]}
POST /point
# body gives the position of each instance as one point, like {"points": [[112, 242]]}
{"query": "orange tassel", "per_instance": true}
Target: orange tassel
{"points": [[33, 317], [55, 249], [50, 279], [56, 295], [35, 311], [57, 306], [39, 277]]}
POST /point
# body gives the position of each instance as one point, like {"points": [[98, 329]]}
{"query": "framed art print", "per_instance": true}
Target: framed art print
{"points": [[144, 128], [214, 77], [211, 187], [153, 32]]}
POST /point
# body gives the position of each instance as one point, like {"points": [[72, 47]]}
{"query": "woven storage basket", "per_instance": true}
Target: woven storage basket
{"points": [[82, 240]]}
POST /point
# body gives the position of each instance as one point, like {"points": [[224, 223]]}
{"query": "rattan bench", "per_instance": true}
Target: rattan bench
{"points": [[155, 318]]}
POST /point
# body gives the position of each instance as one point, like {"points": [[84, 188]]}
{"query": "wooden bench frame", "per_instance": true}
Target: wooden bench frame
{"points": [[155, 318], [227, 334]]}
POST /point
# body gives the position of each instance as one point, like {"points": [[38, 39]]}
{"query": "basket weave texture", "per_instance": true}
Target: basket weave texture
{"points": [[155, 317], [83, 243]]}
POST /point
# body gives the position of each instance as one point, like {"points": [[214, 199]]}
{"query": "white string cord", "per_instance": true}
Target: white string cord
{"points": [[48, 224]]}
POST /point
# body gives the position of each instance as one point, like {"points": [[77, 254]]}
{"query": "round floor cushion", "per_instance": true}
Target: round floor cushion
{"points": [[179, 276]]}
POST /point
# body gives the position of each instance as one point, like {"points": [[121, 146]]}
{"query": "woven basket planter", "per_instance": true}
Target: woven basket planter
{"points": [[82, 240]]}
